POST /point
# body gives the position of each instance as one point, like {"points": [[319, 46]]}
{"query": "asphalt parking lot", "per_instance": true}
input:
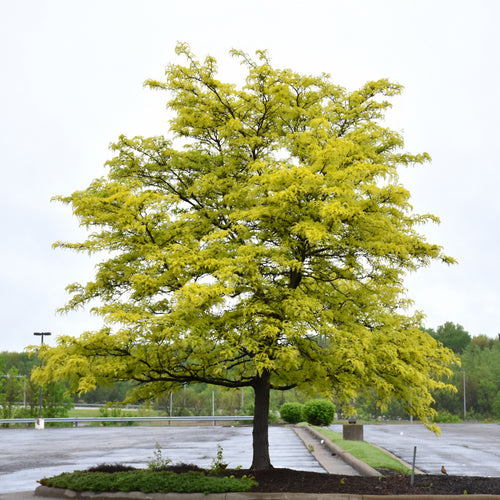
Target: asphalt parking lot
{"points": [[464, 449], [27, 455]]}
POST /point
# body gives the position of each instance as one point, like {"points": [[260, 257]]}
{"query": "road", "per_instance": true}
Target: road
{"points": [[464, 449]]}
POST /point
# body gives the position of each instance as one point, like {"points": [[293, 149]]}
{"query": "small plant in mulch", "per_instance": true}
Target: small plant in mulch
{"points": [[158, 461], [218, 464]]}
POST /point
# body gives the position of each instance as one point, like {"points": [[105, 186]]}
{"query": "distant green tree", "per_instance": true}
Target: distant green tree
{"points": [[496, 406], [452, 336], [2, 379], [102, 394], [22, 361], [451, 402], [12, 393], [369, 406], [20, 396], [481, 363], [56, 401], [482, 341]]}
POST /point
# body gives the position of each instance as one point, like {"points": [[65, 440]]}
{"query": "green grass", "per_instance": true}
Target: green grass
{"points": [[94, 412], [84, 412], [148, 482], [371, 455]]}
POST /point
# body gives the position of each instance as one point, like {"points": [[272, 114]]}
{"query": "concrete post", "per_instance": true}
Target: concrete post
{"points": [[353, 432]]}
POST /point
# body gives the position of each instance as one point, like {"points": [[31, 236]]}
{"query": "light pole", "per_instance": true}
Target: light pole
{"points": [[41, 334], [465, 404]]}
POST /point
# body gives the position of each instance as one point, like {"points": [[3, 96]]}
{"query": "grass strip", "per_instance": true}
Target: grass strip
{"points": [[148, 482], [366, 452]]}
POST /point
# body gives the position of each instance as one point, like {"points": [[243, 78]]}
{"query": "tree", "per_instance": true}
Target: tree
{"points": [[269, 251], [483, 342], [452, 336], [481, 362], [20, 360], [11, 393], [20, 396]]}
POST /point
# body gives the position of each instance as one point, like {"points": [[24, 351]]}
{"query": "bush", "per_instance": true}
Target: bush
{"points": [[445, 417], [319, 412], [148, 482], [292, 412], [273, 418]]}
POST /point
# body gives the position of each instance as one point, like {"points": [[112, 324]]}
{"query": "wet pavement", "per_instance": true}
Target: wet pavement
{"points": [[27, 455], [464, 449]]}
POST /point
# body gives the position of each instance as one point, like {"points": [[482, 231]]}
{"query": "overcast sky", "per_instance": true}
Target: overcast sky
{"points": [[71, 82]]}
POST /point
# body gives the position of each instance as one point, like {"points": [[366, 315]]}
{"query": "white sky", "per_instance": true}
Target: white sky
{"points": [[71, 82]]}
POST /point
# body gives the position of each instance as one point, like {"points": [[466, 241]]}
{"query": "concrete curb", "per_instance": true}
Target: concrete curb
{"points": [[355, 463], [44, 491], [406, 464]]}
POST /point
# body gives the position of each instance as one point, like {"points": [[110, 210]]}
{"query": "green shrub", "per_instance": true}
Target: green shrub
{"points": [[148, 482], [444, 417], [292, 413], [273, 418], [319, 412]]}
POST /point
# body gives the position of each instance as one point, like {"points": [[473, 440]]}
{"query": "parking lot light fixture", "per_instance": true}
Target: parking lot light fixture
{"points": [[41, 334]]}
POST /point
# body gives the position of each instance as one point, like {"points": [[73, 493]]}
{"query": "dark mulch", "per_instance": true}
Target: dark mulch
{"points": [[389, 483], [288, 480]]}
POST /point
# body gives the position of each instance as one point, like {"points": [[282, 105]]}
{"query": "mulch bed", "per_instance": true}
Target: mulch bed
{"points": [[288, 480], [388, 483]]}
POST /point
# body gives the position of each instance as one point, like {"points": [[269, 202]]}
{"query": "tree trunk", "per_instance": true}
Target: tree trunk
{"points": [[260, 432]]}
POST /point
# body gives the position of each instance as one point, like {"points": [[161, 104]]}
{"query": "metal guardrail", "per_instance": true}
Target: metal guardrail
{"points": [[77, 420]]}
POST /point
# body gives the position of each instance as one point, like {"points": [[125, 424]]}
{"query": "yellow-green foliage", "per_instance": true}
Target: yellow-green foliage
{"points": [[270, 248]]}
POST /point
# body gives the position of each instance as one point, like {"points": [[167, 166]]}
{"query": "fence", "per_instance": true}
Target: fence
{"points": [[83, 420]]}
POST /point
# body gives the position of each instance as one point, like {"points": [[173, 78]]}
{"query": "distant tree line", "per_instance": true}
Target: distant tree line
{"points": [[20, 396], [480, 368]]}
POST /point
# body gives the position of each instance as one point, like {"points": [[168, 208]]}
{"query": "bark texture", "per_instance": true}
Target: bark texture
{"points": [[261, 459]]}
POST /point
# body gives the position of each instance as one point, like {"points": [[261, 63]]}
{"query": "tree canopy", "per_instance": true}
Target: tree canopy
{"points": [[264, 244], [452, 336]]}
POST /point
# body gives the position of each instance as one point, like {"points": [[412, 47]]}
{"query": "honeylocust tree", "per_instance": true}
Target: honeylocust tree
{"points": [[264, 244]]}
